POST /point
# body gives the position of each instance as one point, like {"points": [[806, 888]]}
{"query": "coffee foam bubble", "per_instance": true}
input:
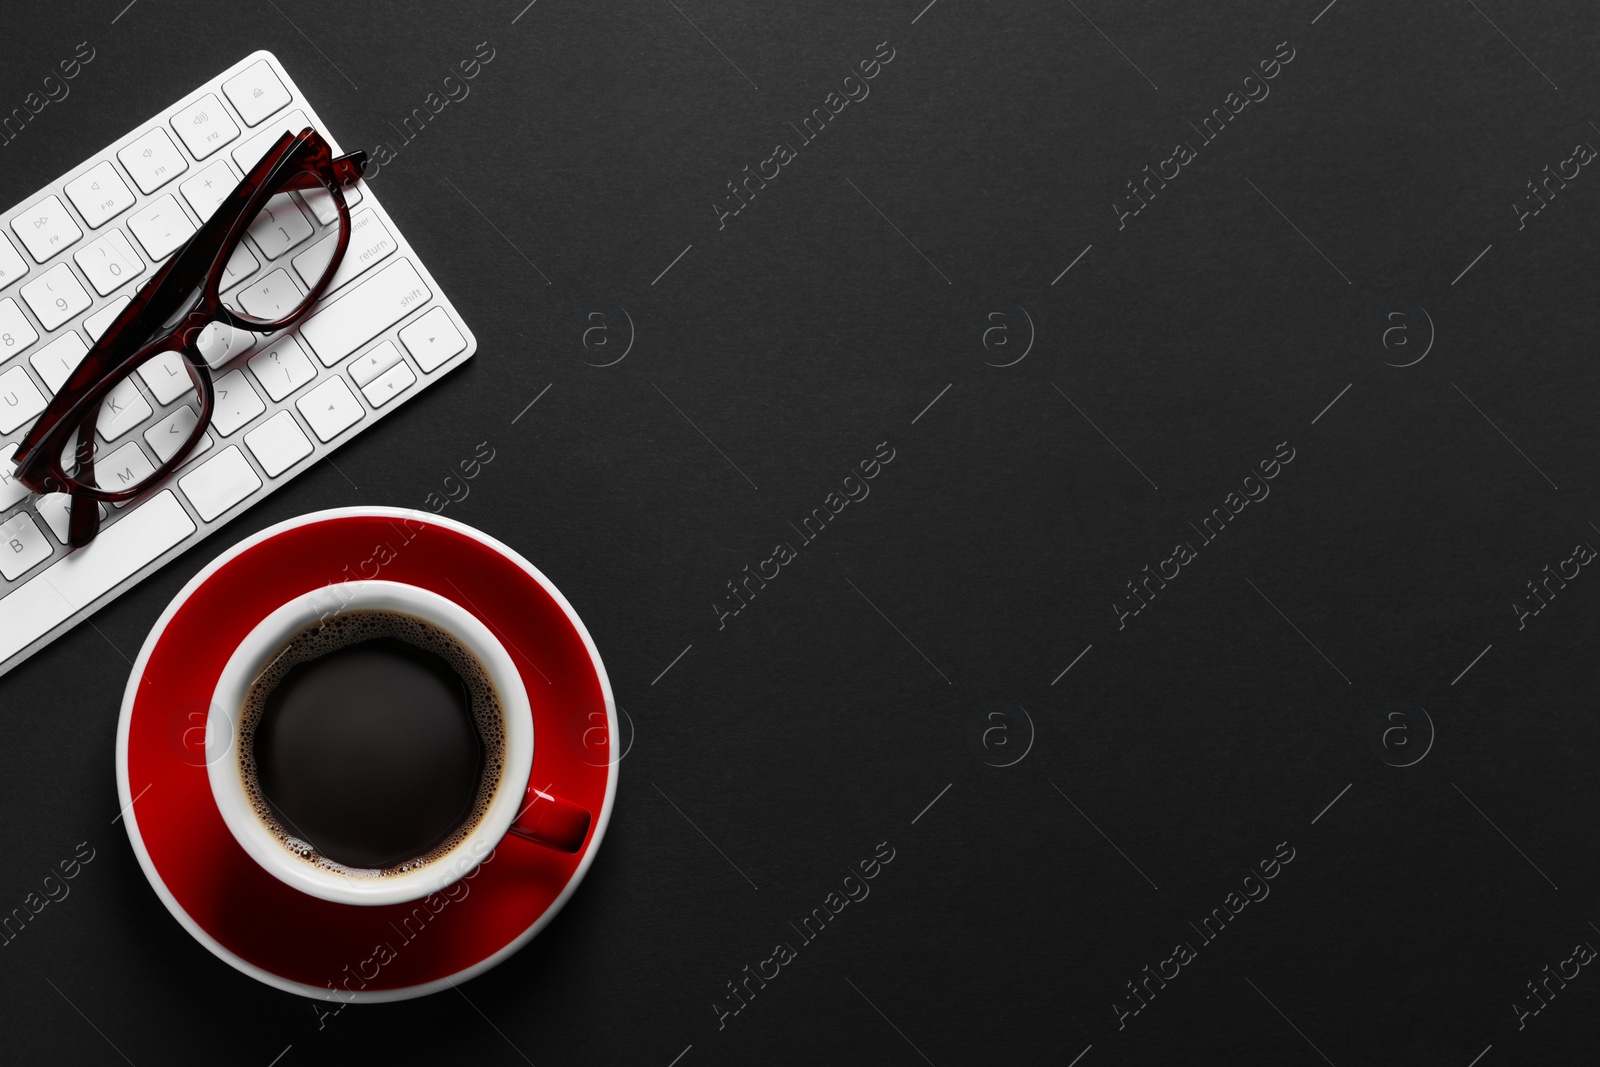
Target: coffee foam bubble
{"points": [[350, 628]]}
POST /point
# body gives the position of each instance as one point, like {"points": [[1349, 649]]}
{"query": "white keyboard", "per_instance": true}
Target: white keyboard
{"points": [[72, 255]]}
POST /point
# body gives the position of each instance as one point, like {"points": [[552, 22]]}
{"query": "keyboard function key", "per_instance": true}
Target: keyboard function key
{"points": [[432, 339], [100, 195], [22, 546], [16, 333], [56, 361], [219, 483], [56, 511], [283, 368], [278, 444], [153, 160], [20, 399], [12, 266], [330, 408], [210, 187], [161, 227], [369, 365], [394, 381], [168, 435], [109, 262], [55, 296], [280, 226], [46, 228], [235, 405], [204, 126], [256, 92]]}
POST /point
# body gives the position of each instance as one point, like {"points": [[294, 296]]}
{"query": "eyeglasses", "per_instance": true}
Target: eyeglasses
{"points": [[158, 336]]}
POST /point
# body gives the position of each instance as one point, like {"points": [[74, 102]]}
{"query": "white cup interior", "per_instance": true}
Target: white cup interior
{"points": [[263, 644]]}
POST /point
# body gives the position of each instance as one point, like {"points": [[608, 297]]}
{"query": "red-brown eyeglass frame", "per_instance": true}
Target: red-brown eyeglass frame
{"points": [[302, 161]]}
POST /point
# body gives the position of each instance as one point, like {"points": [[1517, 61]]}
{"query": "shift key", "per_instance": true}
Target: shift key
{"points": [[365, 311]]}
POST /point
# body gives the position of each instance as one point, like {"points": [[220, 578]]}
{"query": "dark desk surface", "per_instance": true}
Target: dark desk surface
{"points": [[969, 606]]}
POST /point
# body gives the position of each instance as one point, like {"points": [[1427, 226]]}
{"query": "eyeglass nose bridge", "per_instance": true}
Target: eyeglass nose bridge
{"points": [[186, 336]]}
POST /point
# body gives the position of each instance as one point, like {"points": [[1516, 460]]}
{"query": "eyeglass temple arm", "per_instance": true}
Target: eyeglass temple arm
{"points": [[83, 520], [347, 170]]}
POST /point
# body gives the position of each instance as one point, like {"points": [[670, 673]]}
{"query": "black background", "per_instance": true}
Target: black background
{"points": [[806, 332]]}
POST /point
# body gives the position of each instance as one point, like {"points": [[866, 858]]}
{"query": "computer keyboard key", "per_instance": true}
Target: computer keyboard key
{"points": [[278, 444], [370, 364], [283, 368], [250, 152], [22, 546], [96, 324], [256, 92], [168, 435], [46, 228], [161, 227], [369, 243], [235, 404], [204, 126], [272, 298], [220, 344], [20, 399], [109, 262], [153, 160], [219, 483], [12, 265], [210, 187], [125, 467], [320, 201], [365, 310], [166, 377], [280, 226], [241, 265], [394, 381], [331, 409], [11, 490], [55, 296], [122, 410], [56, 511], [56, 360], [69, 585], [16, 332], [432, 339], [100, 195]]}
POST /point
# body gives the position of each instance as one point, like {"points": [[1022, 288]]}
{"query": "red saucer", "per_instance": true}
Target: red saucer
{"points": [[341, 951]]}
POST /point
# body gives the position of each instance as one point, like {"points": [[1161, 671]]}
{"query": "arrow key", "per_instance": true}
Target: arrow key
{"points": [[331, 408], [388, 385], [432, 339]]}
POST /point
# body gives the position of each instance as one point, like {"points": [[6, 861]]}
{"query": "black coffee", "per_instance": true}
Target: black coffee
{"points": [[372, 743]]}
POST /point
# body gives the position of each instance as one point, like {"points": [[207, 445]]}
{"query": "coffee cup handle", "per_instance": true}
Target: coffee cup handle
{"points": [[550, 821]]}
